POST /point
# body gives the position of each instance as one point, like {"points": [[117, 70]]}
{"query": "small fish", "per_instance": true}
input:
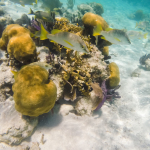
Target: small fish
{"points": [[136, 34], [14, 73], [42, 15], [147, 64], [115, 36], [42, 64], [136, 72], [69, 40], [25, 2], [147, 44], [142, 25]]}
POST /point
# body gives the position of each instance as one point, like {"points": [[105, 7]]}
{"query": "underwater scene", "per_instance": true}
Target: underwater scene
{"points": [[74, 75]]}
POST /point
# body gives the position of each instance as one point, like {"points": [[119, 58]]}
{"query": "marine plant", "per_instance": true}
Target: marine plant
{"points": [[108, 94]]}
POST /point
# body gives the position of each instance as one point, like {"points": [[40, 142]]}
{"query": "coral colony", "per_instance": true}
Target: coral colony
{"points": [[71, 66], [72, 55]]}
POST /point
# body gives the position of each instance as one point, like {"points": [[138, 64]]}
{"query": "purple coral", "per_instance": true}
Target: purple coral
{"points": [[34, 23], [108, 94]]}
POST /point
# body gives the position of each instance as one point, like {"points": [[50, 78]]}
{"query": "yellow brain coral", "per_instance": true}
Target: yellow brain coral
{"points": [[90, 20], [18, 43], [34, 94], [114, 78], [105, 50]]}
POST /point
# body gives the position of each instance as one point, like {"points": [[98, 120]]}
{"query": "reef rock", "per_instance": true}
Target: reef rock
{"points": [[84, 8], [136, 73], [85, 105], [6, 79], [43, 53], [56, 78], [23, 20], [2, 12], [13, 126], [5, 21], [147, 64], [97, 7], [65, 109]]}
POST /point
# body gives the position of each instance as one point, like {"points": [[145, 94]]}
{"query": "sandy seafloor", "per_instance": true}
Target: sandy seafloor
{"points": [[122, 125]]}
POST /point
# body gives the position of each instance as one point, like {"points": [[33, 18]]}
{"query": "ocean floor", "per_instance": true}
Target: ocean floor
{"points": [[120, 125]]}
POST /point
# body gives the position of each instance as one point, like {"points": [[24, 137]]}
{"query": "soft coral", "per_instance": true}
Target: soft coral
{"points": [[108, 94]]}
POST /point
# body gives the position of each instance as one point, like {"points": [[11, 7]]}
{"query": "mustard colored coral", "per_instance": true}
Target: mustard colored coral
{"points": [[90, 20], [105, 50], [34, 94], [17, 42], [114, 78]]}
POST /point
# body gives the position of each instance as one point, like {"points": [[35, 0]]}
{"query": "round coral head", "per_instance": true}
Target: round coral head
{"points": [[90, 20], [114, 78], [34, 94]]}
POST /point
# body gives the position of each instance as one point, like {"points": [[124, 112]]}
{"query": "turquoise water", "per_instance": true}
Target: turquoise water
{"points": [[121, 123]]}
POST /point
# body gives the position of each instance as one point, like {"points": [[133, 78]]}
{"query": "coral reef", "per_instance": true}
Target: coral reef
{"points": [[91, 20], [70, 3], [114, 78], [2, 12], [23, 20], [144, 58], [51, 4], [97, 7], [147, 64], [17, 42], [84, 8], [138, 15], [5, 20], [105, 51], [14, 127], [34, 94], [76, 16], [86, 105]]}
